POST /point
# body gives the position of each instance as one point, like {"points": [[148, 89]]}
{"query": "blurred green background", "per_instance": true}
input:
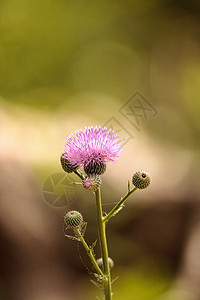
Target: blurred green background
{"points": [[65, 65]]}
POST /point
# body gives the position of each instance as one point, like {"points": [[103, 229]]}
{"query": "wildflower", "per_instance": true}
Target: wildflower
{"points": [[92, 148]]}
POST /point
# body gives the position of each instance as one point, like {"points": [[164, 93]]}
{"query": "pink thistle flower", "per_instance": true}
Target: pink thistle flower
{"points": [[93, 148]]}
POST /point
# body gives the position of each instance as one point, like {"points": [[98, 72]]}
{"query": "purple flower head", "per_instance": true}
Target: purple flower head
{"points": [[93, 148]]}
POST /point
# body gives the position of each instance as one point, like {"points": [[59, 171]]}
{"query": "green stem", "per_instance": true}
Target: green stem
{"points": [[77, 172], [89, 252], [104, 247], [118, 205]]}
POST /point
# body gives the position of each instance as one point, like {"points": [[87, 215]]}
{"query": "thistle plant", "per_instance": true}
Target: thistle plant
{"points": [[91, 150]]}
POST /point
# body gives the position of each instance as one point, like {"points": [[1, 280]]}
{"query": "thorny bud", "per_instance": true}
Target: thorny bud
{"points": [[110, 263], [92, 182], [141, 179], [67, 166], [73, 219]]}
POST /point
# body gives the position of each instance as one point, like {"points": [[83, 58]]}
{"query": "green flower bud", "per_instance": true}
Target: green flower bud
{"points": [[92, 182], [73, 219], [141, 179], [96, 168], [110, 263], [66, 165]]}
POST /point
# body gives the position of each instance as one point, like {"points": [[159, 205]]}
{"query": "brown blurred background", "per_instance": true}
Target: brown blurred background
{"points": [[65, 65]]}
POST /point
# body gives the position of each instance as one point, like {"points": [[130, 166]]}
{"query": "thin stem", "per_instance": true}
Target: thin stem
{"points": [[118, 205], [104, 247], [89, 252], [77, 172]]}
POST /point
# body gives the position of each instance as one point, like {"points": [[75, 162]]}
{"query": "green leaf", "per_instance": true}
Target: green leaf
{"points": [[115, 279], [84, 229], [99, 286], [93, 245], [74, 238]]}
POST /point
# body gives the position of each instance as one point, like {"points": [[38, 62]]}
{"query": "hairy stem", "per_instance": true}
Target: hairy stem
{"points": [[118, 205], [104, 247]]}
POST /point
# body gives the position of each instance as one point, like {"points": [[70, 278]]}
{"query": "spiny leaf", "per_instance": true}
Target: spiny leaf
{"points": [[74, 238], [93, 245], [99, 286], [93, 253], [115, 279], [92, 248], [84, 229]]}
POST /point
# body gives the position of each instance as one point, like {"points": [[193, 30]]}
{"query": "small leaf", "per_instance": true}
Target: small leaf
{"points": [[92, 248], [99, 286], [115, 279], [129, 187], [74, 238], [84, 229], [93, 245]]}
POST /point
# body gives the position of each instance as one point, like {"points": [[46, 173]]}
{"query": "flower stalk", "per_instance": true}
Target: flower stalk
{"points": [[92, 149], [103, 245], [79, 174], [89, 251], [118, 206]]}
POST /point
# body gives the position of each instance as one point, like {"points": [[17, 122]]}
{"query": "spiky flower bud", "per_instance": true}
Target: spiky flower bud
{"points": [[73, 219], [110, 263], [141, 179], [66, 165], [96, 168], [92, 182]]}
